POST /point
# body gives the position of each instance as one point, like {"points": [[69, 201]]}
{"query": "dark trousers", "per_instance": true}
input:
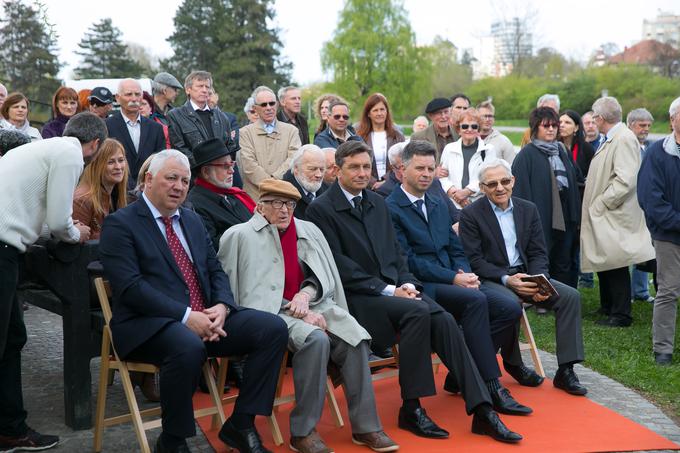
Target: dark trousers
{"points": [[563, 256], [423, 327], [615, 293], [12, 340], [180, 354], [487, 318]]}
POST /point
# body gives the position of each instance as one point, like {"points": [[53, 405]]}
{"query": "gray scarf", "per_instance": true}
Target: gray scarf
{"points": [[552, 150]]}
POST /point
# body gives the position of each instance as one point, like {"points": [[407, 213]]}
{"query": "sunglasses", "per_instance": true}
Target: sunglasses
{"points": [[505, 182], [265, 104], [549, 125], [338, 117], [465, 127]]}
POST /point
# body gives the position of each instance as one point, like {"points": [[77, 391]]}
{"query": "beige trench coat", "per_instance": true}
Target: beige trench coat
{"points": [[265, 155], [251, 256], [613, 229]]}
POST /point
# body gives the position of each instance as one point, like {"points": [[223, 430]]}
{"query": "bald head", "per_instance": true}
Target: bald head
{"points": [[129, 97]]}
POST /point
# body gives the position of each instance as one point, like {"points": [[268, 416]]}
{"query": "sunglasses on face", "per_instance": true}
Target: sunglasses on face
{"points": [[465, 127], [549, 125], [265, 104], [338, 117], [505, 182]]}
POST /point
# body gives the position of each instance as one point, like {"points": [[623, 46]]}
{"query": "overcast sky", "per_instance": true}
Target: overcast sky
{"points": [[574, 28]]}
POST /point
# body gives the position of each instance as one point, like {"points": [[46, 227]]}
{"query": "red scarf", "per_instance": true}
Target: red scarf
{"points": [[292, 268], [575, 152], [240, 194]]}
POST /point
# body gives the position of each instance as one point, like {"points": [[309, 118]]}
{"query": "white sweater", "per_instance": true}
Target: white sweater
{"points": [[37, 181]]}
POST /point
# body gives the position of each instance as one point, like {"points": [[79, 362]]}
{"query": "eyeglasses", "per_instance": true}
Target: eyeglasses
{"points": [[488, 117], [265, 104], [252, 112], [550, 125], [505, 182], [278, 204], [224, 166], [338, 117], [465, 127]]}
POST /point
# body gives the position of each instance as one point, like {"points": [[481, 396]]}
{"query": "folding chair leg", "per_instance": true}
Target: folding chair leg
{"points": [[221, 381], [104, 374], [214, 393], [134, 409], [333, 404], [526, 328]]}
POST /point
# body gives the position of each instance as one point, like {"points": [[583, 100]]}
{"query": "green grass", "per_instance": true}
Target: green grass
{"points": [[623, 354]]}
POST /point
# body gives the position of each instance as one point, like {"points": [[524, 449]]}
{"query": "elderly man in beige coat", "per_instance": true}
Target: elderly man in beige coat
{"points": [[613, 230], [284, 265], [267, 145]]}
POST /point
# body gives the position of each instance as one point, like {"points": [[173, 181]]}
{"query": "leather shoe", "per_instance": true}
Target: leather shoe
{"points": [[244, 440], [663, 359], [487, 422], [504, 403], [420, 424], [148, 383], [451, 384], [160, 448], [311, 443], [566, 379], [523, 375], [613, 322], [376, 441]]}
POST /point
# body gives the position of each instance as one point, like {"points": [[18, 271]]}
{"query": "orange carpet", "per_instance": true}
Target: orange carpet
{"points": [[560, 423]]}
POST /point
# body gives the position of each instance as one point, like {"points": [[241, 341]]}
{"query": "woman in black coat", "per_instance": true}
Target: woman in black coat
{"points": [[573, 137], [545, 174]]}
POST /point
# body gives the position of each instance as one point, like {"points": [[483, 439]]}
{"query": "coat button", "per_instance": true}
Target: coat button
{"points": [[276, 260], [372, 286], [186, 291], [273, 288]]}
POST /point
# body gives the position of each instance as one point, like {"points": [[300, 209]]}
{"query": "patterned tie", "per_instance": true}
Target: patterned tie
{"points": [[185, 266]]}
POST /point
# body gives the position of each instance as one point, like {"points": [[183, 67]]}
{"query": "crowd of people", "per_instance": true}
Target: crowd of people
{"points": [[222, 240]]}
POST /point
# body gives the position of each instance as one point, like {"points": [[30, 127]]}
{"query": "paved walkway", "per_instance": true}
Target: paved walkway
{"points": [[44, 397]]}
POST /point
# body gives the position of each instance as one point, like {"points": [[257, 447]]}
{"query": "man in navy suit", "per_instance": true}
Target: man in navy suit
{"points": [[141, 137], [423, 227], [503, 239], [172, 306]]}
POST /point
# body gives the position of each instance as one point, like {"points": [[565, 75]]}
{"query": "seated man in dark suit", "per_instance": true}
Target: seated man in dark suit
{"points": [[172, 306], [503, 239], [385, 298], [434, 253], [214, 197], [140, 136], [307, 169]]}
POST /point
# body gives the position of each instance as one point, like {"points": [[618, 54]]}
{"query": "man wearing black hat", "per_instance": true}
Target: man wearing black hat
{"points": [[213, 196], [101, 101], [439, 132]]}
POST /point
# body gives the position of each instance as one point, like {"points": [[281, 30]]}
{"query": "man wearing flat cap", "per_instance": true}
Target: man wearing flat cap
{"points": [[213, 197], [439, 132], [164, 88], [284, 266], [101, 101]]}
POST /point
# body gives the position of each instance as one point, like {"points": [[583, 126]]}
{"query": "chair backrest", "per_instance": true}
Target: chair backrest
{"points": [[104, 292]]}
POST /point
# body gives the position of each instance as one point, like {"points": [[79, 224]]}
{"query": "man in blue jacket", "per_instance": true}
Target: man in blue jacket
{"points": [[658, 193]]}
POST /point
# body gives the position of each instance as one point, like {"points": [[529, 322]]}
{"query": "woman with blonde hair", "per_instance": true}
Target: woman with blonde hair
{"points": [[102, 188]]}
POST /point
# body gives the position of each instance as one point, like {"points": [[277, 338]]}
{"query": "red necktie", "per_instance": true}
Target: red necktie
{"points": [[185, 266]]}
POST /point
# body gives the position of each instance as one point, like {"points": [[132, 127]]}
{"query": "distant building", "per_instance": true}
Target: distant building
{"points": [[662, 58], [512, 41], [665, 28]]}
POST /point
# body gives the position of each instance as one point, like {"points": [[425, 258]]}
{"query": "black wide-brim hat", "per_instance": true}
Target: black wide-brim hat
{"points": [[208, 151]]}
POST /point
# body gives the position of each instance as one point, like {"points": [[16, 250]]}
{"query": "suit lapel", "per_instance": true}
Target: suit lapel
{"points": [[152, 226], [519, 226], [127, 140], [143, 135], [496, 231]]}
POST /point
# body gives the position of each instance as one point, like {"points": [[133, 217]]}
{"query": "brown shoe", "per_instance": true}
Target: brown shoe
{"points": [[376, 441], [312, 443], [148, 383]]}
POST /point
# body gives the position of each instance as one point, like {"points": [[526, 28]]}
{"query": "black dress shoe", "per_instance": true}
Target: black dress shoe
{"points": [[451, 384], [504, 403], [523, 375], [566, 379], [420, 424], [244, 440], [160, 448], [488, 423], [663, 359], [614, 322]]}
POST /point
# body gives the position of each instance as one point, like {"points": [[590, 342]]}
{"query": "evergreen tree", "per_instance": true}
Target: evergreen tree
{"points": [[104, 55], [232, 40], [28, 60]]}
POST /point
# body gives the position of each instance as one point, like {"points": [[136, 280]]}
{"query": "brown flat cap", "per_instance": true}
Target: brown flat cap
{"points": [[278, 187]]}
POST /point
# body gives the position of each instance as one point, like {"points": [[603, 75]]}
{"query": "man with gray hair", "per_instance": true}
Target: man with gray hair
{"points": [[331, 173], [503, 262], [164, 89], [266, 145], [39, 179], [10, 139], [613, 231], [290, 101], [658, 191], [502, 144], [307, 169]]}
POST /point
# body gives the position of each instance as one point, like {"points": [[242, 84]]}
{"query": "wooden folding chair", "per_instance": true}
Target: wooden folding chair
{"points": [[530, 344], [111, 361]]}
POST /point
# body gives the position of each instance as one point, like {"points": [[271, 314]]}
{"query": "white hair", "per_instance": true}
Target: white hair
{"points": [[674, 109], [494, 163], [250, 103], [299, 154], [548, 98], [261, 89], [283, 92], [608, 108], [396, 151], [158, 160], [636, 115], [120, 84]]}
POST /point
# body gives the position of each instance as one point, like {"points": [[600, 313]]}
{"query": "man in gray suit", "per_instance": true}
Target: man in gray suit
{"points": [[284, 266]]}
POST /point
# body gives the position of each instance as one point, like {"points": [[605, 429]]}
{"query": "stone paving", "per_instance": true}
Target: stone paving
{"points": [[44, 397]]}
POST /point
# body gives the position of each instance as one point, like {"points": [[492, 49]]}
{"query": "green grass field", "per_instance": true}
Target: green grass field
{"points": [[623, 354]]}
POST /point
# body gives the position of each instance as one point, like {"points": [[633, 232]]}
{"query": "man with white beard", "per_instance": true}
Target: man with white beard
{"points": [[220, 205], [307, 170]]}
